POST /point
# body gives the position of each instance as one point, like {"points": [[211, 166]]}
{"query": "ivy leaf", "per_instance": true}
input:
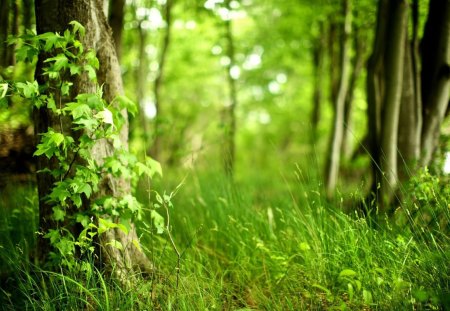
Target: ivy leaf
{"points": [[78, 110], [74, 69], [57, 138], [158, 221], [65, 88], [58, 213], [105, 116], [60, 62], [91, 72], [126, 103], [83, 220], [78, 28], [86, 189], [115, 244], [3, 89]]}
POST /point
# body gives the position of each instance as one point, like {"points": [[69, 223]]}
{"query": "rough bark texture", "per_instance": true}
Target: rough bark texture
{"points": [[435, 74], [229, 116], [334, 155], [54, 16]]}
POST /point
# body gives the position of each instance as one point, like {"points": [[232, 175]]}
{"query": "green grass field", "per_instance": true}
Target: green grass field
{"points": [[243, 247]]}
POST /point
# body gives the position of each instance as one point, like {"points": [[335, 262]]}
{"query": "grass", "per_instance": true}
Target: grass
{"points": [[244, 247]]}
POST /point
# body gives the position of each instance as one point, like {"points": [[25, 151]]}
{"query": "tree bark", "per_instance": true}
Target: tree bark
{"points": [[334, 155], [54, 16], [435, 74], [409, 118], [394, 60]]}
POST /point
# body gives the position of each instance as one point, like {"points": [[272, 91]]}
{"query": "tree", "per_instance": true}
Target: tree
{"points": [[54, 16], [334, 155], [406, 106]]}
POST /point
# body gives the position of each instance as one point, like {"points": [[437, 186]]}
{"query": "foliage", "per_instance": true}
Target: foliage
{"points": [[77, 173]]}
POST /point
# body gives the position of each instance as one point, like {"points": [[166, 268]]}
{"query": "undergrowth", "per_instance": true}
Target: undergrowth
{"points": [[242, 249]]}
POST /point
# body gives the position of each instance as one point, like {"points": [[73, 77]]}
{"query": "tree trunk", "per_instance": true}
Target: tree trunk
{"points": [[4, 31], [333, 161], [394, 60], [54, 16], [115, 18], [229, 115], [375, 90], [156, 147], [357, 66], [409, 118], [318, 62], [435, 74], [27, 7]]}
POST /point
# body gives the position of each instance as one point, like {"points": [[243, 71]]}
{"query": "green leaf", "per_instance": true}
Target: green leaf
{"points": [[347, 273], [58, 213], [78, 28], [86, 189], [91, 72], [126, 103], [60, 62], [57, 138], [115, 244], [158, 221], [74, 69], [367, 297], [84, 220], [78, 110], [65, 88], [3, 89]]}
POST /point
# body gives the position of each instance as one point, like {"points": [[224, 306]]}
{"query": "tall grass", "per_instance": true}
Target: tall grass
{"points": [[246, 246]]}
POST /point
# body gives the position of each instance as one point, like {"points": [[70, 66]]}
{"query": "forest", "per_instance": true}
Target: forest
{"points": [[225, 155]]}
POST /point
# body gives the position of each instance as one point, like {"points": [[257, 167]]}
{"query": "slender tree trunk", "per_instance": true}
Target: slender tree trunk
{"points": [[230, 117], [334, 158], [116, 12], [435, 74], [357, 66], [54, 16], [4, 26], [334, 56], [318, 62], [156, 148]]}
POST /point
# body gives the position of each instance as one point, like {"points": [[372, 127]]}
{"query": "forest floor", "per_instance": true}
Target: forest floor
{"points": [[247, 246]]}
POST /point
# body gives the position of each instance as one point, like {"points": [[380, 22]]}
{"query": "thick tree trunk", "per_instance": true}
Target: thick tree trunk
{"points": [[157, 85], [54, 16], [229, 115], [27, 8], [394, 60], [435, 74], [333, 161], [409, 119], [375, 90]]}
